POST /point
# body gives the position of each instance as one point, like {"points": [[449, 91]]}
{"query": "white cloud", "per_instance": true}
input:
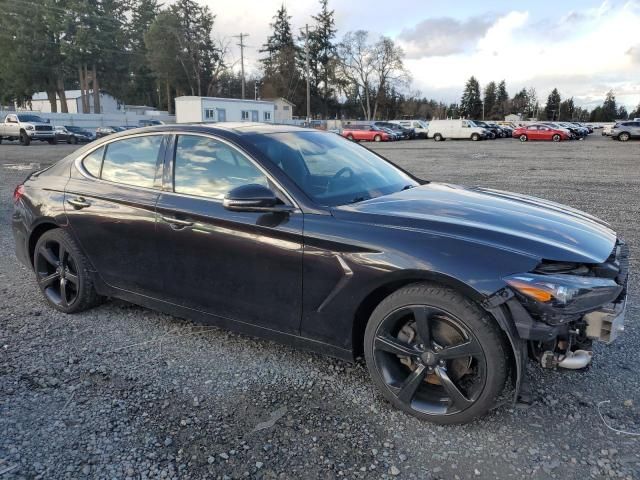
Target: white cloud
{"points": [[599, 54]]}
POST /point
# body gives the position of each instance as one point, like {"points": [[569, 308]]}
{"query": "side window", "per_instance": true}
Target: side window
{"points": [[207, 168], [132, 161], [93, 162], [245, 115], [267, 116]]}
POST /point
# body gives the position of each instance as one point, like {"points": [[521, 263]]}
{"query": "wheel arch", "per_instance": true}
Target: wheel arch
{"points": [[37, 231], [393, 283]]}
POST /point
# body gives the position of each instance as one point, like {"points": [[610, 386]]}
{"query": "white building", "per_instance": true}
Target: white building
{"points": [[108, 104], [283, 109], [513, 117], [215, 109]]}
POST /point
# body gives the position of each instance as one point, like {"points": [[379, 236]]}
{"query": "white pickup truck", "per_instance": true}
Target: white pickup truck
{"points": [[26, 127]]}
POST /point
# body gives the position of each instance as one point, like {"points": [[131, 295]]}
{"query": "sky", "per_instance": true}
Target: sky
{"points": [[584, 48]]}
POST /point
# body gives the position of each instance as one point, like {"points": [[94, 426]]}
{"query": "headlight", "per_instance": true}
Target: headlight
{"points": [[28, 127], [565, 294]]}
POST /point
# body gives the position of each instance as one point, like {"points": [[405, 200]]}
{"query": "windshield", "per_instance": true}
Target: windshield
{"points": [[329, 169], [31, 118]]}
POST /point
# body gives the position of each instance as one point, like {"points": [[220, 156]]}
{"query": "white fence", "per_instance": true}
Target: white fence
{"points": [[93, 120]]}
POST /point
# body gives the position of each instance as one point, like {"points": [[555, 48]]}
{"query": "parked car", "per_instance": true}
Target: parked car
{"points": [[624, 131], [443, 289], [493, 129], [455, 129], [26, 127], [606, 129], [104, 131], [393, 134], [420, 127], [541, 131], [407, 133], [369, 133], [149, 123], [72, 134]]}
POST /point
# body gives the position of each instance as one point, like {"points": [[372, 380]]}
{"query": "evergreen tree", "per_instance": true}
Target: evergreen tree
{"points": [[567, 110], [322, 50], [502, 101], [471, 101], [520, 102], [552, 108], [490, 98], [281, 74], [142, 84], [609, 107], [622, 113]]}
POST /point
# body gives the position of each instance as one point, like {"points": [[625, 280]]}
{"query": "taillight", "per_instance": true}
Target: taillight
{"points": [[18, 193]]}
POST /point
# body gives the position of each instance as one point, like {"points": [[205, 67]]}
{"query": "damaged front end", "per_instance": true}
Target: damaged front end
{"points": [[560, 308]]}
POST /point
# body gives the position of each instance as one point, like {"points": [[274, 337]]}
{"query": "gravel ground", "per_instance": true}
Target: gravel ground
{"points": [[124, 392]]}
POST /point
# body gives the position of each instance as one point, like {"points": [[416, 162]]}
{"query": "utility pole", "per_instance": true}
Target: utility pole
{"points": [[242, 36], [306, 56], [255, 90]]}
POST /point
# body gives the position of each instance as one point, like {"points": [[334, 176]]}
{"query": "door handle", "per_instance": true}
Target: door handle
{"points": [[78, 203], [177, 223]]}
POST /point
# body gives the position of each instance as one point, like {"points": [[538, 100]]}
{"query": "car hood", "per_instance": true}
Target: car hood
{"points": [[519, 223]]}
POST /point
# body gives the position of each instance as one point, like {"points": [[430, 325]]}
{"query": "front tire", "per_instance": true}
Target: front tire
{"points": [[523, 138], [24, 139], [350, 137], [63, 273], [377, 138], [624, 137], [475, 137], [435, 354], [437, 137]]}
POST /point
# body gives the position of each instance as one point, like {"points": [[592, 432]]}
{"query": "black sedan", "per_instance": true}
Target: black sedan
{"points": [[306, 238], [72, 134]]}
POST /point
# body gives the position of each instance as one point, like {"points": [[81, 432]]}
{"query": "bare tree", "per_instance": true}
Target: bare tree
{"points": [[368, 70]]}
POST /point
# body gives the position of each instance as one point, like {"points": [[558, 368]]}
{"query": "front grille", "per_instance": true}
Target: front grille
{"points": [[43, 128]]}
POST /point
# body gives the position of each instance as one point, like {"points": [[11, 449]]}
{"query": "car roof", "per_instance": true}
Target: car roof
{"points": [[239, 128]]}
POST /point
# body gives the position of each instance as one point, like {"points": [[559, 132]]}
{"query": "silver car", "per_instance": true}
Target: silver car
{"points": [[624, 131]]}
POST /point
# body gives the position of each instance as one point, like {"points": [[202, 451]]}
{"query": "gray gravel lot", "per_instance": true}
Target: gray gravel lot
{"points": [[124, 392]]}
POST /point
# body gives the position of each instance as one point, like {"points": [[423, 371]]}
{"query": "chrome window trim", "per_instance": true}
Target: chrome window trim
{"points": [[83, 171]]}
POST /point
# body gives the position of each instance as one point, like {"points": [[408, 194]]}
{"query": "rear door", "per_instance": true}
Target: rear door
{"points": [[110, 201], [243, 266]]}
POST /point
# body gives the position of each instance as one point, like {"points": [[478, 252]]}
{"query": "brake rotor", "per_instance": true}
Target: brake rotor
{"points": [[443, 335]]}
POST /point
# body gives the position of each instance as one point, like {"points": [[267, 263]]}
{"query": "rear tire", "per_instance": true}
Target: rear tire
{"points": [[437, 137], [523, 138], [624, 137], [413, 372], [63, 273], [350, 137], [475, 137], [377, 138]]}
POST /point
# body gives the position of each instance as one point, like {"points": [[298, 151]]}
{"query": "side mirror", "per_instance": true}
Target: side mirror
{"points": [[252, 198]]}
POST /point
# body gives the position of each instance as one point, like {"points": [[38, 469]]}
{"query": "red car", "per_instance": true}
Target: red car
{"points": [[369, 133], [540, 132]]}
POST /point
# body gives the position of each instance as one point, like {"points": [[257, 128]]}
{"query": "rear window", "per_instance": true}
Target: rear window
{"points": [[132, 161]]}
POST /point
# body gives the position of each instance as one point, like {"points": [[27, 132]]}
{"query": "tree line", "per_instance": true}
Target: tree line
{"points": [[495, 104], [147, 54]]}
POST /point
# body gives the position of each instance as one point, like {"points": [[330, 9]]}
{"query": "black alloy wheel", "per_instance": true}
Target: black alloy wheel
{"points": [[434, 362], [57, 273], [62, 273]]}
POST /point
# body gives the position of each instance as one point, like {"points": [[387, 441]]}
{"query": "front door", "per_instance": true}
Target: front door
{"points": [[254, 116], [243, 266], [110, 206]]}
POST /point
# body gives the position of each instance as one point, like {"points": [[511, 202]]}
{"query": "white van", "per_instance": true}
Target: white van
{"points": [[465, 129], [419, 126]]}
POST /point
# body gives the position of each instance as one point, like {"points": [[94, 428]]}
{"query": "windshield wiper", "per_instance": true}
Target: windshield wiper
{"points": [[407, 187], [358, 199]]}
